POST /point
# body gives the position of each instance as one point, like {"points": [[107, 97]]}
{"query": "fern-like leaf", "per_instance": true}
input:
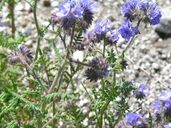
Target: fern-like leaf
{"points": [[51, 97]]}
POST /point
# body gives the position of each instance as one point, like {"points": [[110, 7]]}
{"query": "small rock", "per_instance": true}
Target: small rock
{"points": [[165, 23], [54, 3], [46, 3], [29, 43]]}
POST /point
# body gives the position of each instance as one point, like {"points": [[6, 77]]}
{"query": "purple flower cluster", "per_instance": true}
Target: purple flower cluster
{"points": [[163, 104], [73, 12], [102, 30], [127, 30], [99, 69], [134, 119], [129, 9], [141, 90], [145, 10]]}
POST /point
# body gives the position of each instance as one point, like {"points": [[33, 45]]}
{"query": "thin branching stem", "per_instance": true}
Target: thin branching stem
{"points": [[38, 31], [51, 120], [61, 68], [129, 43], [104, 48], [117, 52], [11, 7], [34, 74], [102, 113], [54, 111]]}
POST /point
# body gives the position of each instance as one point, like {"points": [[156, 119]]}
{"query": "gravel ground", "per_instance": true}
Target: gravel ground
{"points": [[149, 52]]}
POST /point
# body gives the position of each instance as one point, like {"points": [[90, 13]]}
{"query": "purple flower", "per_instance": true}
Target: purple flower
{"points": [[88, 11], [163, 104], [73, 12], [167, 125], [157, 106], [129, 9], [152, 12], [166, 98], [114, 36], [134, 119], [102, 27], [67, 14], [99, 69], [141, 90], [127, 30]]}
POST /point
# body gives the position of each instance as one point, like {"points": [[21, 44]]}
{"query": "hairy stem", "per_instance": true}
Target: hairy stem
{"points": [[104, 47], [61, 68], [34, 74], [102, 113], [38, 31], [11, 7], [129, 43], [54, 111], [114, 79]]}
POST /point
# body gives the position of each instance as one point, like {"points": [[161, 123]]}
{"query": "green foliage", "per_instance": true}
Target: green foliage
{"points": [[111, 58], [9, 41], [77, 38], [43, 29], [53, 96]]}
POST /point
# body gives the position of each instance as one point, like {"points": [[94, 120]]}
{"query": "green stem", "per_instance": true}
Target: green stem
{"points": [[114, 79], [11, 7], [129, 43], [102, 113], [117, 52], [104, 47], [54, 111], [103, 84], [38, 31], [102, 110], [51, 120], [39, 121], [34, 74]]}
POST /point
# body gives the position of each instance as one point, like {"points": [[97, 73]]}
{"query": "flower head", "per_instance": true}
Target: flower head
{"points": [[88, 11], [157, 105], [129, 9], [101, 28], [21, 54], [113, 36], [163, 104], [151, 11], [141, 90], [134, 119], [73, 12], [99, 69], [127, 30]]}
